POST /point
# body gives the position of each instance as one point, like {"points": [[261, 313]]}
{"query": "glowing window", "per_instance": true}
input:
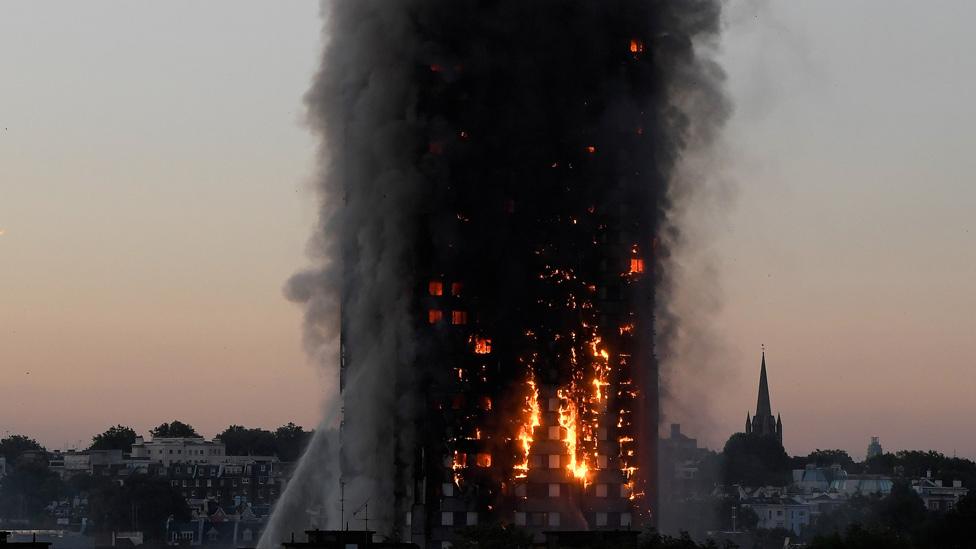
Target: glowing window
{"points": [[482, 346], [601, 461], [636, 265], [435, 287], [484, 460], [459, 317], [636, 46], [434, 316], [555, 433], [456, 288], [554, 461]]}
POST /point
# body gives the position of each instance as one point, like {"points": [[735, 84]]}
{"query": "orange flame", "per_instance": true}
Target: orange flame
{"points": [[533, 420]]}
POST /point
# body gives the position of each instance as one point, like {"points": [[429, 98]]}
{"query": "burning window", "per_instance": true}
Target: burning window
{"points": [[636, 46], [636, 265], [555, 432], [434, 316], [435, 287], [482, 346], [483, 460], [456, 288], [591, 149], [486, 403], [459, 317]]}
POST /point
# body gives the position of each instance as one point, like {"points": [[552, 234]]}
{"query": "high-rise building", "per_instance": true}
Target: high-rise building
{"points": [[763, 424]]}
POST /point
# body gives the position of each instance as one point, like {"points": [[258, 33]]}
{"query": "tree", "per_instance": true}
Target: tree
{"points": [[141, 503], [755, 461], [826, 458], [175, 429], [290, 441], [13, 446], [28, 489], [241, 441], [119, 437]]}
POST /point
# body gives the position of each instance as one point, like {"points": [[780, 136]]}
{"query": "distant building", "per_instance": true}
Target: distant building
{"points": [[3, 466], [874, 449], [864, 485], [763, 424], [169, 450], [791, 513], [938, 497]]}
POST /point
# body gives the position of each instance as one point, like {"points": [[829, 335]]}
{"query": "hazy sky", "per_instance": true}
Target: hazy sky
{"points": [[154, 197]]}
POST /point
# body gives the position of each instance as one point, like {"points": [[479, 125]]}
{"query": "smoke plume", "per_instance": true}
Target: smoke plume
{"points": [[464, 136]]}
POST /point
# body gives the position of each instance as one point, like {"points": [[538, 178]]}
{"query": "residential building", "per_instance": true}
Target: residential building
{"points": [[938, 497], [792, 513], [169, 450]]}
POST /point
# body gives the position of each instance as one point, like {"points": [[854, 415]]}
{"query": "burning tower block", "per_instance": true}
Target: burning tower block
{"points": [[501, 178]]}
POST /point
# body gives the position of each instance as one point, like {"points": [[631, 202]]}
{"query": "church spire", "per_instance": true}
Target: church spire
{"points": [[763, 408]]}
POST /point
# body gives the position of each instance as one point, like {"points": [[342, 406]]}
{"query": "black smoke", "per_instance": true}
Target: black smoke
{"points": [[486, 141]]}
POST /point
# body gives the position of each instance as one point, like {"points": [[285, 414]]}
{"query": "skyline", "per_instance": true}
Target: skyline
{"points": [[154, 213]]}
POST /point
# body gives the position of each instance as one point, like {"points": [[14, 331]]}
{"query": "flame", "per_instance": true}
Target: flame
{"points": [[482, 346], [435, 288], [636, 46], [567, 420], [533, 420]]}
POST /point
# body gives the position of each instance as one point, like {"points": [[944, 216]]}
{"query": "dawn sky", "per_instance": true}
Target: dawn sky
{"points": [[154, 198]]}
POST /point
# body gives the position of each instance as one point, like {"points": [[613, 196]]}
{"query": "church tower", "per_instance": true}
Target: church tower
{"points": [[763, 424]]}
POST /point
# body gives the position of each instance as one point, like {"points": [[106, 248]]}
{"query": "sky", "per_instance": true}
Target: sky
{"points": [[155, 195]]}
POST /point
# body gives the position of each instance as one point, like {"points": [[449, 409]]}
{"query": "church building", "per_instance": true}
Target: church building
{"points": [[763, 424]]}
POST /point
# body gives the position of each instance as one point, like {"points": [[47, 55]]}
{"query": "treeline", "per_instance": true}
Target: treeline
{"points": [[897, 521], [286, 442]]}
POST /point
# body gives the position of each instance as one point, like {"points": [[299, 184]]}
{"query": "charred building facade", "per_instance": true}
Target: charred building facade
{"points": [[498, 184]]}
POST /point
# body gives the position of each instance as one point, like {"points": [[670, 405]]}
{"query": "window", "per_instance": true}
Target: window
{"points": [[247, 535], [601, 519], [472, 518], [484, 460], [435, 288], [555, 433], [625, 519], [601, 490], [519, 518], [456, 288], [554, 461], [482, 346], [636, 265], [624, 491], [521, 490], [434, 316], [553, 404], [601, 461], [447, 489], [459, 317], [553, 519], [554, 490], [447, 519]]}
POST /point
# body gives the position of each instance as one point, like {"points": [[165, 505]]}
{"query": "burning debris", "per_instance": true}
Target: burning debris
{"points": [[495, 174]]}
